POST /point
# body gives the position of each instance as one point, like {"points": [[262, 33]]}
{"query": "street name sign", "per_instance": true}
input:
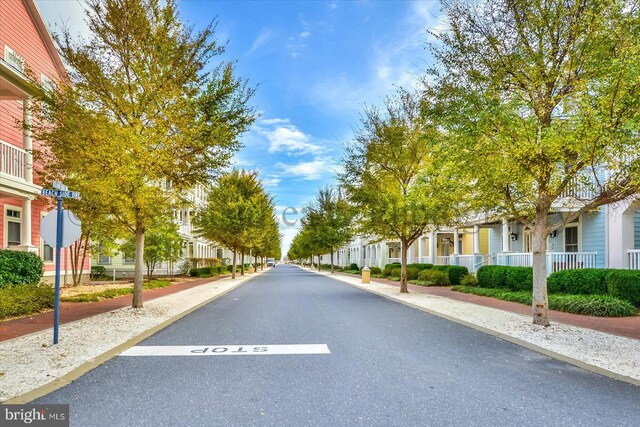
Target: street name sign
{"points": [[63, 237]]}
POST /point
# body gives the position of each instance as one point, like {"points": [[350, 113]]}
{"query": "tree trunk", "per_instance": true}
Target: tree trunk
{"points": [[233, 266], [403, 274], [540, 301], [85, 249], [261, 263], [332, 262], [242, 263], [319, 261], [138, 268]]}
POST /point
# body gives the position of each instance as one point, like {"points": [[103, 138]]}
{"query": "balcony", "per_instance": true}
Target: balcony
{"points": [[13, 161]]}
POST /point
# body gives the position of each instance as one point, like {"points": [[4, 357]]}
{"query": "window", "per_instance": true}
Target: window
{"points": [[571, 239], [47, 253], [13, 59], [128, 259], [219, 253], [528, 240], [13, 226]]}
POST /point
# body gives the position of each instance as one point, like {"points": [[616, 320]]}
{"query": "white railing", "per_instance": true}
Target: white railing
{"points": [[580, 188], [443, 260], [13, 160], [517, 259], [464, 261], [634, 259], [557, 261], [392, 260], [426, 260], [185, 229]]}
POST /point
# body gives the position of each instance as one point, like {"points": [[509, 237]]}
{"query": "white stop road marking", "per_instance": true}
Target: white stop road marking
{"points": [[225, 350]]}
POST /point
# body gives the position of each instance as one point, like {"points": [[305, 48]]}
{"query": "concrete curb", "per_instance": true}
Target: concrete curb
{"points": [[514, 340], [104, 357]]}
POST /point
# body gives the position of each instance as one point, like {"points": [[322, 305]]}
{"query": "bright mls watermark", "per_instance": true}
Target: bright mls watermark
{"points": [[35, 415], [291, 216]]}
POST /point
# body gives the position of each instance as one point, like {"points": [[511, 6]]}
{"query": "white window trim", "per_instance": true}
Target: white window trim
{"points": [[5, 243], [7, 52], [577, 225]]}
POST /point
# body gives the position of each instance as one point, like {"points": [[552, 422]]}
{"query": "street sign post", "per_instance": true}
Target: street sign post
{"points": [[61, 192]]}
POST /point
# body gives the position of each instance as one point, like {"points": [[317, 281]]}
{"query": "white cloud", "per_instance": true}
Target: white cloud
{"points": [[305, 34], [291, 140], [309, 171], [271, 182], [263, 37], [394, 61], [283, 136]]}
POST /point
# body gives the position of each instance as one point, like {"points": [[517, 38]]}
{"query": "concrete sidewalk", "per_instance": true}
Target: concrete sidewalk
{"points": [[622, 326], [72, 311], [604, 353]]}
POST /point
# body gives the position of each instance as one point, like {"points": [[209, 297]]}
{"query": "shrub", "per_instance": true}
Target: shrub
{"points": [[199, 272], [387, 270], [590, 305], [23, 300], [624, 284], [436, 277], [375, 270], [97, 271], [455, 272], [396, 273], [19, 268], [585, 281], [354, 266], [469, 280], [420, 266], [505, 277]]}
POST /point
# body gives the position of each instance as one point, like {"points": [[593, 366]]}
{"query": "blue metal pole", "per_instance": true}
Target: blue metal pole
{"points": [[56, 301]]}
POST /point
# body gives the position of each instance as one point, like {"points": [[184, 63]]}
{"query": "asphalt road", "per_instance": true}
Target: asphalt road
{"points": [[389, 365]]}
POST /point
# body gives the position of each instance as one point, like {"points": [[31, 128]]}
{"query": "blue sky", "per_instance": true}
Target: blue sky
{"points": [[317, 63]]}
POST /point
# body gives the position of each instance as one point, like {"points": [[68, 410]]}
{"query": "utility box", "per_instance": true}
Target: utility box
{"points": [[366, 275]]}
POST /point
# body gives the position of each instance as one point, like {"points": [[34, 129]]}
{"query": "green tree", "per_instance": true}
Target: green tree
{"points": [[394, 177], [539, 99], [140, 118], [329, 221], [161, 244], [236, 208]]}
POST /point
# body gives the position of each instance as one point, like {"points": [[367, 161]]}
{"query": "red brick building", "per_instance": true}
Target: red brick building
{"points": [[24, 42]]}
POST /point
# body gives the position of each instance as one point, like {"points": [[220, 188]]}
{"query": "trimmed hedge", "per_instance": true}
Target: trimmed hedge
{"points": [[24, 299], [624, 284], [374, 270], [590, 305], [506, 277], [210, 271], [438, 278], [420, 266], [387, 270], [19, 268], [354, 266], [584, 281], [455, 272]]}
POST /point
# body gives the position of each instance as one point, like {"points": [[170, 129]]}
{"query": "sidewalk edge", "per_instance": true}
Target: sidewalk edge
{"points": [[514, 340], [108, 355]]}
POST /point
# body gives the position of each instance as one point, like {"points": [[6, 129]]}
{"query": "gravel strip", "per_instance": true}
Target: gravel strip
{"points": [[619, 355], [31, 361]]}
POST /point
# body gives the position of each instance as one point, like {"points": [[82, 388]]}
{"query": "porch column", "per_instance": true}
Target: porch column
{"points": [[26, 223], [476, 239], [433, 246], [505, 235], [456, 242], [27, 145]]}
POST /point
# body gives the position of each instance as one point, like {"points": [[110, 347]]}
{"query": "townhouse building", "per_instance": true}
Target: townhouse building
{"points": [[25, 44], [117, 265], [607, 237]]}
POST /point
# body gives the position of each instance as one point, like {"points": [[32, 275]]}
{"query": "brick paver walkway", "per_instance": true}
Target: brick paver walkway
{"points": [[70, 311], [623, 326]]}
